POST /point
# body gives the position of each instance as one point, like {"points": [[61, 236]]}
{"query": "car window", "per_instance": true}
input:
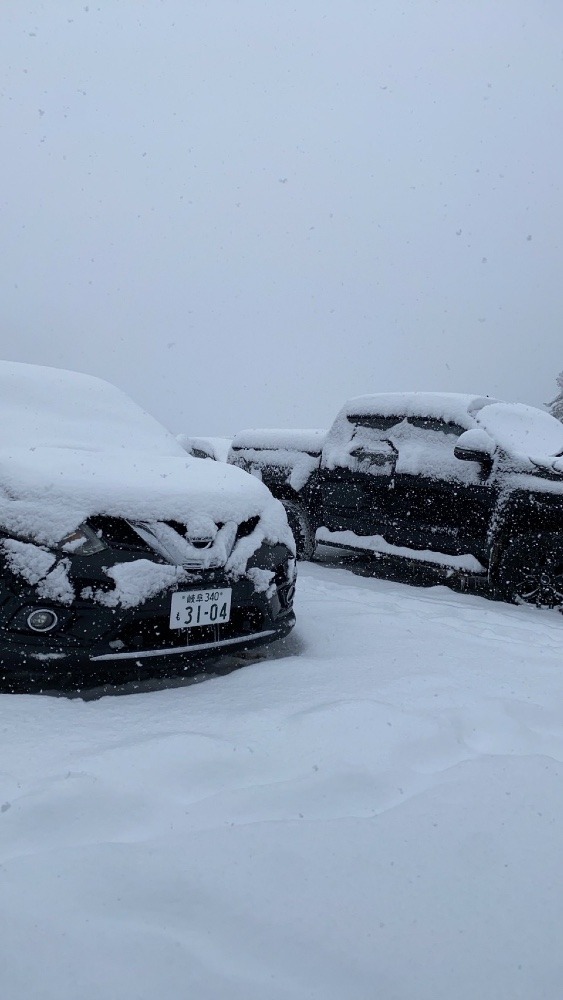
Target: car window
{"points": [[368, 448], [374, 422], [434, 424], [426, 448], [373, 435]]}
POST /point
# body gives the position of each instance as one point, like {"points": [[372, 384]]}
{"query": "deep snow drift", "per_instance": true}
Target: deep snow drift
{"points": [[373, 811]]}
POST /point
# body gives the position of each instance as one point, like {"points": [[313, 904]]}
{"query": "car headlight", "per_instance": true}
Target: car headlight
{"points": [[82, 542]]}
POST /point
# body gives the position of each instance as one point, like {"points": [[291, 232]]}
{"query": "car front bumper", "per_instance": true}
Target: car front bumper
{"points": [[100, 641]]}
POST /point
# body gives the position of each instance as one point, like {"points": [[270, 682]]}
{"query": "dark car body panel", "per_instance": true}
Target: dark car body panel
{"points": [[92, 636]]}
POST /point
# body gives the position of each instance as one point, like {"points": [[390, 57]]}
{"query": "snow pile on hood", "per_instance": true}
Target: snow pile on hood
{"points": [[75, 446], [523, 430]]}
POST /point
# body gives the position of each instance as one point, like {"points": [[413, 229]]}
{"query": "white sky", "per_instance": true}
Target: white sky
{"points": [[243, 212]]}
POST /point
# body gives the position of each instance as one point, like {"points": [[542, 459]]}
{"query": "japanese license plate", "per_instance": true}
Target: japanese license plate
{"points": [[191, 608]]}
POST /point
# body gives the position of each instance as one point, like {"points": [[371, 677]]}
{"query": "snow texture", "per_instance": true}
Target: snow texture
{"points": [[453, 407], [136, 581], [27, 560], [373, 810], [476, 439], [56, 586], [375, 543], [77, 447], [298, 466], [523, 430], [296, 452], [263, 580], [216, 448], [523, 433]]}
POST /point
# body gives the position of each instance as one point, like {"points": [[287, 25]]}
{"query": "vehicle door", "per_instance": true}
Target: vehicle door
{"points": [[444, 504], [357, 477]]}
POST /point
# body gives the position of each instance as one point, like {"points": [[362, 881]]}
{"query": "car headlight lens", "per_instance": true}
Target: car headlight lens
{"points": [[82, 542]]}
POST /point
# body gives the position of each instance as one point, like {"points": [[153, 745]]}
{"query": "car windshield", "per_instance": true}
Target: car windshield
{"points": [[523, 430]]}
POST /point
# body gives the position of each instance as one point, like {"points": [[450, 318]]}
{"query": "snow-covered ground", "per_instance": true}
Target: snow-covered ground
{"points": [[373, 811]]}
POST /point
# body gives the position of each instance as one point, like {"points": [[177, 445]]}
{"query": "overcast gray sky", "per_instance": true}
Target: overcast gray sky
{"points": [[244, 211]]}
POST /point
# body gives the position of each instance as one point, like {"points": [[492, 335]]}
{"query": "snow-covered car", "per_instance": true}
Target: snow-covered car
{"points": [[467, 484], [119, 549]]}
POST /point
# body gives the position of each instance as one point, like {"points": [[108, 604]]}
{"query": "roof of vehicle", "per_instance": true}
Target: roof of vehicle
{"points": [[452, 407]]}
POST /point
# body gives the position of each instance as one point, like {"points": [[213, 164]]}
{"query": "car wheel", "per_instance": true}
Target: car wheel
{"points": [[301, 529], [531, 571]]}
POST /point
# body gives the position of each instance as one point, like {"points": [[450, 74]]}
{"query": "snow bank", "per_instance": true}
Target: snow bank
{"points": [[374, 811], [77, 446]]}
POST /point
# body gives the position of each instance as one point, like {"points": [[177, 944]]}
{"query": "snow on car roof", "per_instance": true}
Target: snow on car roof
{"points": [[453, 407], [74, 446], [310, 440]]}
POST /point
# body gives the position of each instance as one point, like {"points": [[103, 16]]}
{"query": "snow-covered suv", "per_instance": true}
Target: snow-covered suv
{"points": [[119, 549], [466, 483]]}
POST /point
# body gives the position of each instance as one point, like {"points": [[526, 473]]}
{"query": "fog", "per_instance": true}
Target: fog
{"points": [[244, 212]]}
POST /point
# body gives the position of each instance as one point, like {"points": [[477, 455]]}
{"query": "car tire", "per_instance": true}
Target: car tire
{"points": [[531, 571], [301, 529]]}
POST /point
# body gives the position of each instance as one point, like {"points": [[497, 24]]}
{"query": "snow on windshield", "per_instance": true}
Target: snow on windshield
{"points": [[523, 430]]}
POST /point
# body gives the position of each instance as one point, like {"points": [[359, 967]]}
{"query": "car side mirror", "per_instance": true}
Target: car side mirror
{"points": [[475, 446]]}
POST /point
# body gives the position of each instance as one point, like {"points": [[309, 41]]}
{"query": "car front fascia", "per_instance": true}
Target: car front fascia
{"points": [[93, 636]]}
